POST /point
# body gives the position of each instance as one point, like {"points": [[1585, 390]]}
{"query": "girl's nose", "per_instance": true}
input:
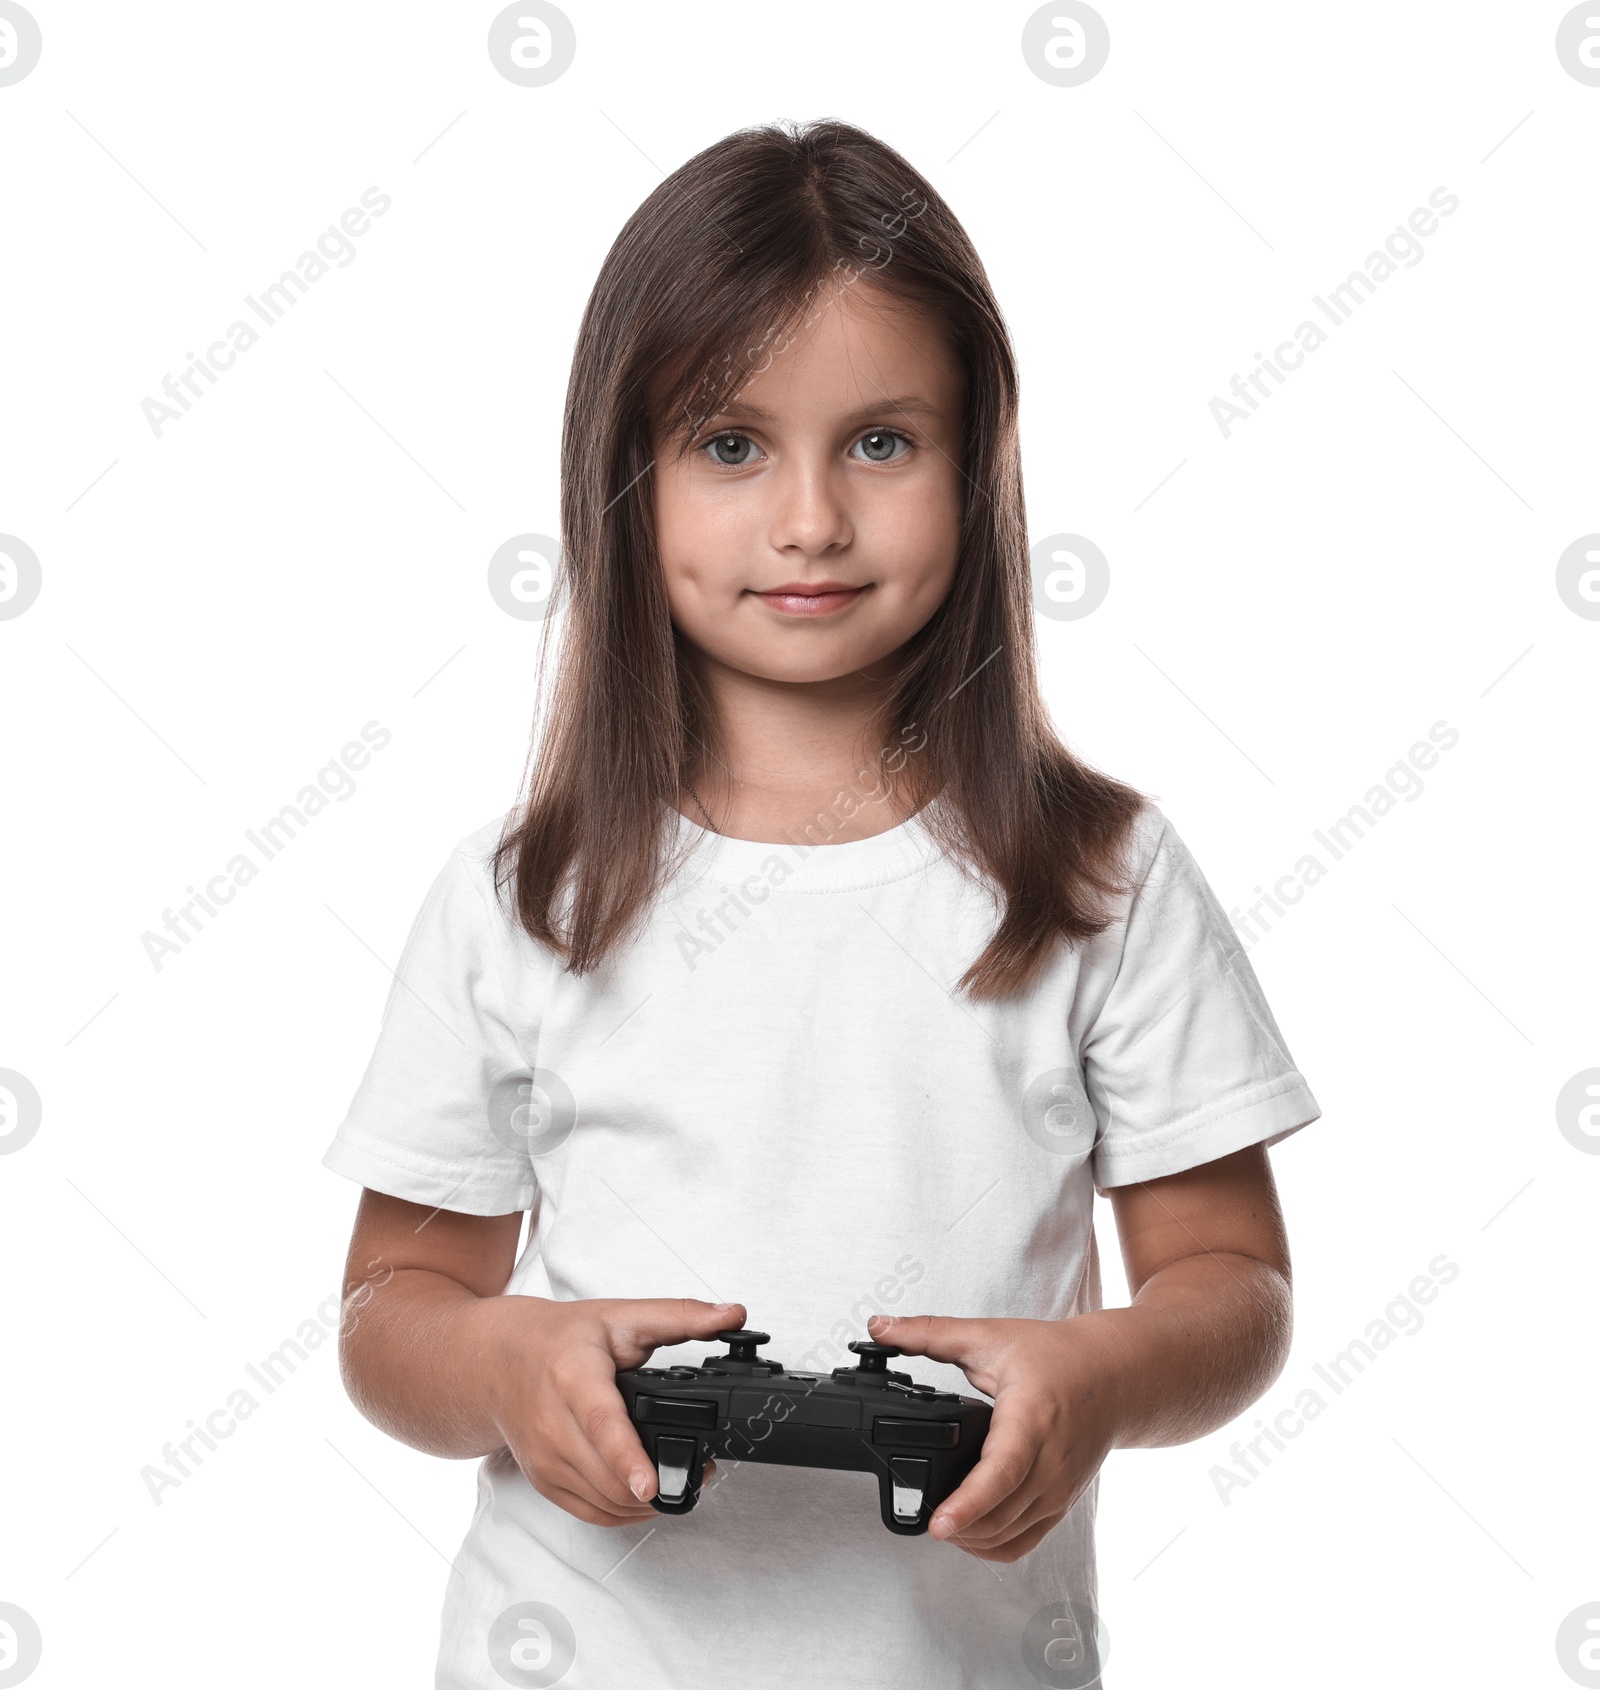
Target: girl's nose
{"points": [[809, 512]]}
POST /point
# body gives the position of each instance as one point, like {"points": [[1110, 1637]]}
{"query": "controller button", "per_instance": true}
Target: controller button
{"points": [[682, 1373], [673, 1457], [910, 1480], [916, 1434], [666, 1411]]}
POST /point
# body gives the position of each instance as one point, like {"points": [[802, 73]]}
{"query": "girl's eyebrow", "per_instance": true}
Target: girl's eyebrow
{"points": [[910, 405]]}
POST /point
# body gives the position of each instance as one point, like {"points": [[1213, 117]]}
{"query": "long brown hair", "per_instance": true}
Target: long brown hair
{"points": [[719, 258]]}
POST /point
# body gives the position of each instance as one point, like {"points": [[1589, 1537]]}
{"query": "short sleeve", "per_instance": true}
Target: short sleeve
{"points": [[1184, 1062], [419, 1126]]}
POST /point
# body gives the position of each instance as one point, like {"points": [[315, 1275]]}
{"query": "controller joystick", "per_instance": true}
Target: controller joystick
{"points": [[742, 1343], [741, 1357], [873, 1367]]}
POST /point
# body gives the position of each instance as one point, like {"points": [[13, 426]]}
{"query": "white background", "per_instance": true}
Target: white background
{"points": [[224, 606]]}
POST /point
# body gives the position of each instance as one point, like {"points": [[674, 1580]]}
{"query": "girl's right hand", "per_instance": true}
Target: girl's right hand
{"points": [[554, 1396]]}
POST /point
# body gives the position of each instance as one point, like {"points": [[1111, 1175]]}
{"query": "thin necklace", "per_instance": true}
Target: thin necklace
{"points": [[703, 810]]}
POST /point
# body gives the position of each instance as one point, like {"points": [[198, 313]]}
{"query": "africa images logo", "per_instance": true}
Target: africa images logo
{"points": [[20, 42]]}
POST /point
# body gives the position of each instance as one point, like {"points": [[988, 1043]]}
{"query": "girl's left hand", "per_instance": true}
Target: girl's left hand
{"points": [[1055, 1420]]}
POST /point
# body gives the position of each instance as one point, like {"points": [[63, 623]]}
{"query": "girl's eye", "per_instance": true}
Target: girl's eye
{"points": [[731, 450], [879, 447]]}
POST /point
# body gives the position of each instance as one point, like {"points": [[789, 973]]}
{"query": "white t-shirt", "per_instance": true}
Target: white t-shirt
{"points": [[772, 1097]]}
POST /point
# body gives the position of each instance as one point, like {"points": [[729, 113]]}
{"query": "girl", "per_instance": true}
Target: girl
{"points": [[815, 983]]}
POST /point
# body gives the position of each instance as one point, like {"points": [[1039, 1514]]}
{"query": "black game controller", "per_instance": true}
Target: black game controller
{"points": [[919, 1442]]}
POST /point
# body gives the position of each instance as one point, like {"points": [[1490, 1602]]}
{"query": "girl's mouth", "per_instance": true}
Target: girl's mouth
{"points": [[810, 598]]}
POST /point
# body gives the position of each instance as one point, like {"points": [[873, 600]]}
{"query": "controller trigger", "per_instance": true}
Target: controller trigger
{"points": [[674, 1456], [910, 1480]]}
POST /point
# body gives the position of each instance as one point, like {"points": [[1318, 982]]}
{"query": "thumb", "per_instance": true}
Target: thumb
{"points": [[641, 1325], [939, 1337]]}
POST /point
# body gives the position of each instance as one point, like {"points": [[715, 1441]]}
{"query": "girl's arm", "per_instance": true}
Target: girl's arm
{"points": [[434, 1353], [1206, 1332]]}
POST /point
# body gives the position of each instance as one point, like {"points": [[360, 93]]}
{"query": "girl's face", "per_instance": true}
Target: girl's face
{"points": [[811, 527]]}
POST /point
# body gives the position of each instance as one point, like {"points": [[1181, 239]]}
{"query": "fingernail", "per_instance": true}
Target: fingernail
{"points": [[639, 1484]]}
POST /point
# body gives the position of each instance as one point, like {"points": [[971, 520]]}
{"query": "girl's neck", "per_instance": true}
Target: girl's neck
{"points": [[795, 755]]}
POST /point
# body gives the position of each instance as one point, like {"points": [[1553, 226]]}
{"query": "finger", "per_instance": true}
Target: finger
{"points": [[579, 1505], [580, 1498], [707, 1475], [1006, 1514], [606, 1449], [576, 1467], [982, 1535], [1018, 1546], [1002, 1470], [566, 1485], [608, 1452], [585, 1425], [1052, 1488], [967, 1343], [596, 1439], [569, 1477], [555, 1472], [639, 1325]]}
